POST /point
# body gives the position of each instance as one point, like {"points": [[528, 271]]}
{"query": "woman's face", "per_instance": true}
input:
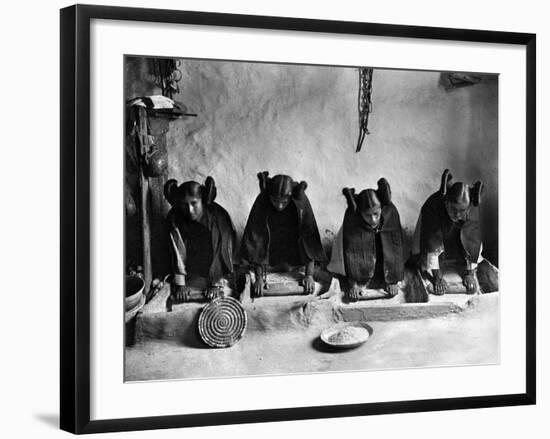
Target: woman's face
{"points": [[372, 216], [191, 207], [279, 203], [457, 211]]}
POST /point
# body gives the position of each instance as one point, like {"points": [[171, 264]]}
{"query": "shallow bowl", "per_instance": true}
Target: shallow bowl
{"points": [[346, 335]]}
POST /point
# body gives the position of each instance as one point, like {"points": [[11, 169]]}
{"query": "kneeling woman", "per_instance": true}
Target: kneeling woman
{"points": [[201, 240], [448, 239], [368, 250], [281, 232]]}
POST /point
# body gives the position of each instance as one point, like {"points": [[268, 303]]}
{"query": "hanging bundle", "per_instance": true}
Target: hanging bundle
{"points": [[153, 158], [167, 75], [365, 104]]}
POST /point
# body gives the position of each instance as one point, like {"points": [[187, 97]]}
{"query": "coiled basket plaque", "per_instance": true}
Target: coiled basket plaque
{"points": [[222, 322]]}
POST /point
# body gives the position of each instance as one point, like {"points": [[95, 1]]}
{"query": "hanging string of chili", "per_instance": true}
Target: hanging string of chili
{"points": [[364, 104]]}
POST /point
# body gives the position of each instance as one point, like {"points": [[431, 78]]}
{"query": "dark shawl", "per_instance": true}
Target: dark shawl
{"points": [[256, 238], [359, 241], [223, 237], [436, 225]]}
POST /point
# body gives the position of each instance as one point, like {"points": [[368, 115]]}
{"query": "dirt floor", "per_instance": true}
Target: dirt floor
{"points": [[466, 338]]}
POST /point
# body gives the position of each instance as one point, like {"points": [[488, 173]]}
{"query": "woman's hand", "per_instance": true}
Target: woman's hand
{"points": [[440, 285], [309, 285], [392, 289], [180, 293], [260, 283], [258, 287], [354, 292], [471, 282], [212, 292]]}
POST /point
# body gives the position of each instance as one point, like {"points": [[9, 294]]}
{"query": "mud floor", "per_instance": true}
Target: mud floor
{"points": [[465, 338]]}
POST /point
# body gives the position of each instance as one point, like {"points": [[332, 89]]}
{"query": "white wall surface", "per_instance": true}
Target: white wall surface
{"points": [[301, 120], [29, 260]]}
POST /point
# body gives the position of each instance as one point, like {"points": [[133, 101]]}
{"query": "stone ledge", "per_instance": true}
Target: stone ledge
{"points": [[291, 313]]}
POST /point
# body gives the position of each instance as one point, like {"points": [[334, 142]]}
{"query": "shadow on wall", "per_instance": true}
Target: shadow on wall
{"points": [[480, 161], [302, 121]]}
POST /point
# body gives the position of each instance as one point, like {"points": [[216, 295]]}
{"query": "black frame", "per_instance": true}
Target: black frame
{"points": [[75, 217]]}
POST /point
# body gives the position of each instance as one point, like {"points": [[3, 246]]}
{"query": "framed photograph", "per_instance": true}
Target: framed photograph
{"points": [[275, 218]]}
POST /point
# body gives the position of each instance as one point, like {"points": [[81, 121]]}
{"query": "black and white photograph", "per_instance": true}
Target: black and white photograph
{"points": [[275, 219], [285, 218]]}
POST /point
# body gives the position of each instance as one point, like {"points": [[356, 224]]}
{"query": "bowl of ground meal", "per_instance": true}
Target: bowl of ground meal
{"points": [[346, 335]]}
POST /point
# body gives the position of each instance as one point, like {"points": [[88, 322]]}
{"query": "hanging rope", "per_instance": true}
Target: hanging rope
{"points": [[364, 104]]}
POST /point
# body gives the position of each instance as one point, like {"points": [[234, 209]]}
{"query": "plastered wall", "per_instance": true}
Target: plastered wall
{"points": [[303, 121]]}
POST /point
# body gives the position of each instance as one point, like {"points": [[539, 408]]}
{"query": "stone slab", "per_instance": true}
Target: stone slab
{"points": [[156, 321]]}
